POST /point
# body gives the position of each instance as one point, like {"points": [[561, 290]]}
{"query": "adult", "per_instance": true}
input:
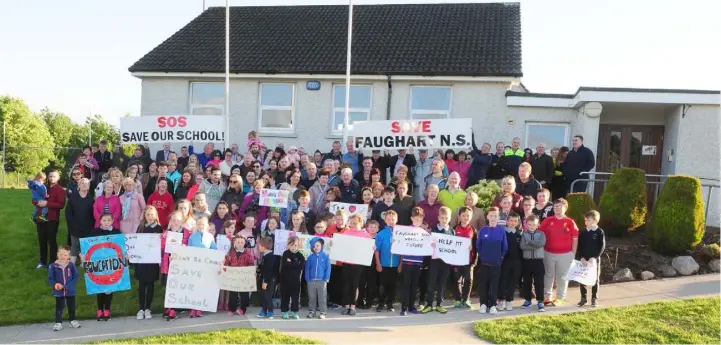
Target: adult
{"points": [[542, 165], [234, 195], [227, 164], [453, 196], [114, 178], [280, 175], [164, 154], [478, 220], [318, 191], [213, 188], [513, 157], [186, 183], [480, 163], [292, 184], [132, 173], [449, 157], [402, 158], [436, 175], [132, 206], [256, 153], [162, 173], [351, 157], [79, 216], [403, 204], [86, 166], [430, 206], [75, 176], [183, 159], [248, 181], [103, 157], [381, 162], [402, 176], [48, 230], [247, 165], [311, 175], [149, 179], [173, 174], [558, 183], [526, 184], [163, 202], [236, 155], [318, 158], [251, 204], [107, 202], [334, 153], [559, 251], [333, 178], [462, 166], [138, 157], [205, 156], [422, 170], [375, 177], [579, 159], [497, 171], [349, 188], [508, 186], [364, 176]]}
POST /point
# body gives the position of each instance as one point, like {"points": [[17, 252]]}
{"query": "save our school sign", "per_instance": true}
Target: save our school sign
{"points": [[174, 128], [421, 134], [105, 263], [194, 279]]}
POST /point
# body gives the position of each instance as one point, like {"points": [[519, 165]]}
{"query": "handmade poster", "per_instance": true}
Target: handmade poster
{"points": [[420, 134], [105, 263], [143, 248], [409, 240], [273, 198], [350, 209], [241, 279], [281, 243], [173, 240], [585, 274], [453, 250], [173, 128], [194, 279], [222, 243], [352, 250]]}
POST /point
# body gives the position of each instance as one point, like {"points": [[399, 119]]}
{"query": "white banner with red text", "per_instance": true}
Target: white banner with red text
{"points": [[172, 128], [419, 134]]}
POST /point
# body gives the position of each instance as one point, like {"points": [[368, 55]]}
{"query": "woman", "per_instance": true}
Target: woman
{"points": [[478, 220], [251, 204], [402, 176], [453, 196], [213, 187], [561, 241], [272, 167], [450, 159], [48, 230], [79, 216], [163, 202], [430, 206], [132, 204], [215, 162], [132, 173], [75, 176], [248, 181], [318, 158], [559, 188], [292, 185], [508, 186], [149, 179], [367, 199], [193, 162], [462, 167], [375, 177], [377, 189], [403, 203], [187, 183], [233, 196], [527, 155], [115, 178], [258, 169], [480, 164], [107, 202]]}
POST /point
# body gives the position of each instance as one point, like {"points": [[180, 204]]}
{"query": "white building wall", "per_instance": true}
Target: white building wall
{"points": [[672, 129]]}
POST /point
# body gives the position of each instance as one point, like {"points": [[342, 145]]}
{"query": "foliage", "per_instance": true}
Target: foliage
{"points": [[230, 336], [26, 136], [677, 222], [623, 204], [578, 205], [103, 130], [486, 191], [710, 251], [69, 138]]}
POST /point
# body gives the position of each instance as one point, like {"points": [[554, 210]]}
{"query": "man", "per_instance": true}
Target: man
{"points": [[173, 156], [247, 165], [164, 154], [579, 159], [381, 163], [330, 164], [153, 180], [311, 176], [255, 150], [318, 190], [235, 154], [351, 157], [304, 160], [349, 188], [514, 156], [526, 184], [423, 169], [363, 176], [204, 157], [334, 153], [137, 158], [183, 159], [48, 230], [103, 157], [402, 158], [496, 170], [542, 165]]}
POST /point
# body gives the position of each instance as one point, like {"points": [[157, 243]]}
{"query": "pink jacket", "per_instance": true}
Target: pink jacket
{"points": [[254, 140], [129, 225], [165, 260], [114, 208], [462, 169]]}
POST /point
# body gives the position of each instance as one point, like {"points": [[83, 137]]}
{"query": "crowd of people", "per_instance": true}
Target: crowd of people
{"points": [[524, 240]]}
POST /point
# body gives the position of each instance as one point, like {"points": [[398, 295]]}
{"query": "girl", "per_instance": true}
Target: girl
{"points": [[352, 273], [527, 155], [292, 264], [147, 274], [251, 204], [228, 231], [132, 204], [186, 209], [270, 226], [132, 174], [272, 166], [297, 222], [107, 202], [104, 228], [175, 225], [335, 287], [221, 215], [249, 233], [367, 199], [254, 139], [331, 195], [201, 238], [200, 205], [238, 256], [162, 200], [462, 167], [184, 186], [559, 188], [274, 212]]}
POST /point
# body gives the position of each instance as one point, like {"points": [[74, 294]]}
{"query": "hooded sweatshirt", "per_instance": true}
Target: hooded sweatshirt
{"points": [[67, 275], [317, 265]]}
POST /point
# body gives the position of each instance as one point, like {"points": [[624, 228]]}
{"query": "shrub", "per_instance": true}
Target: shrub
{"points": [[710, 251], [623, 204], [578, 205], [677, 222], [486, 191]]}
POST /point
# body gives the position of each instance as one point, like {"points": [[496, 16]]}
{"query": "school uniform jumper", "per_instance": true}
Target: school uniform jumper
{"points": [[591, 244], [491, 246], [269, 276], [511, 267], [438, 272]]}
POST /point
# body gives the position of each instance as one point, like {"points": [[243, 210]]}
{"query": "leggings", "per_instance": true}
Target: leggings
{"points": [[60, 304], [145, 294], [104, 301], [351, 280], [238, 300]]}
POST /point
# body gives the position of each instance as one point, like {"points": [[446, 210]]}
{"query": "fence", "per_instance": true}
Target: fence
{"points": [[20, 163]]}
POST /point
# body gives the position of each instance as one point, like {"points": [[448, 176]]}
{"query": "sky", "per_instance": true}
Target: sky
{"points": [[73, 56]]}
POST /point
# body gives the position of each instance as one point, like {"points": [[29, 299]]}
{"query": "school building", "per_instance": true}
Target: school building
{"points": [[420, 61]]}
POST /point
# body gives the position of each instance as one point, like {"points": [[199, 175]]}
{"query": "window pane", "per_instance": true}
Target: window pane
{"points": [[276, 94], [279, 119], [552, 136], [352, 118], [431, 98], [426, 116], [614, 154], [360, 96], [634, 160], [208, 93], [207, 111]]}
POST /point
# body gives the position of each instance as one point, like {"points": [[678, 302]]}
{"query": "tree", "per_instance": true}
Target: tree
{"points": [[66, 134], [102, 130], [28, 140]]}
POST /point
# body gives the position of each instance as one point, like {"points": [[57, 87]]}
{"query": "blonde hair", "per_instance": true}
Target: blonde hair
{"points": [[127, 181], [510, 180], [40, 176], [444, 211], [358, 218]]}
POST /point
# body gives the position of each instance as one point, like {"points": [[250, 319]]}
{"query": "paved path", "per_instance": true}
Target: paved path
{"points": [[367, 326]]}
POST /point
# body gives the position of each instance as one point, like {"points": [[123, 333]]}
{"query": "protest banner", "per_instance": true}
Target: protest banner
{"points": [[453, 250], [222, 243], [194, 279], [350, 209], [173, 240], [106, 269], [420, 134], [273, 198], [174, 128], [281, 243], [585, 274], [408, 240], [240, 279], [352, 249], [143, 248]]}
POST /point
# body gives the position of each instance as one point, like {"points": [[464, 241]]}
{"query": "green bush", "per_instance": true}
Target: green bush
{"points": [[486, 191], [677, 222], [710, 251], [623, 204], [578, 205]]}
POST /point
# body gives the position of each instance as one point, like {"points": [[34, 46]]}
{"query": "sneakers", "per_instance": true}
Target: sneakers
{"points": [[493, 310], [284, 315], [57, 327], [311, 314], [42, 218], [106, 315], [549, 303], [198, 313], [345, 312], [457, 305], [240, 312], [230, 313], [321, 316], [334, 306], [527, 304], [582, 302], [541, 307], [441, 310], [40, 266], [74, 324], [262, 314], [559, 302], [191, 314], [415, 310], [404, 313], [140, 315], [427, 309], [269, 315], [351, 312], [148, 314], [172, 315], [483, 309], [594, 302], [509, 305], [379, 309], [99, 315], [467, 305], [501, 306], [165, 313]]}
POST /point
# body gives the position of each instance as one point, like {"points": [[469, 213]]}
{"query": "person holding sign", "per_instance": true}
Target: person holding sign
{"points": [[238, 256], [104, 299], [591, 243], [352, 273], [411, 270], [147, 274], [292, 263], [491, 246], [201, 238], [438, 270]]}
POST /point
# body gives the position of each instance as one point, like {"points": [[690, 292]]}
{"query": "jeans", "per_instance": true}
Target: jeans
{"points": [[47, 241], [60, 305], [488, 277]]}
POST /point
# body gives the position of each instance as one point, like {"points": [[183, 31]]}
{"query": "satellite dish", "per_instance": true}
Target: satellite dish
{"points": [[592, 109]]}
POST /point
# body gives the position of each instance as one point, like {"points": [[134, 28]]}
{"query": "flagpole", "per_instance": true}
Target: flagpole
{"points": [[347, 73], [227, 74]]}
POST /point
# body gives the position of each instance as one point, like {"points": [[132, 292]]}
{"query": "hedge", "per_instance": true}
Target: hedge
{"points": [[623, 204], [578, 205], [677, 223]]}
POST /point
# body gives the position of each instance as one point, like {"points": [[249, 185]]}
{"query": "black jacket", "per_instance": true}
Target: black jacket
{"points": [[104, 159], [404, 208], [160, 156], [590, 244], [542, 167], [578, 161], [292, 265], [350, 193], [382, 164], [514, 246], [531, 187], [79, 214], [333, 156], [231, 197], [269, 268], [479, 166], [408, 160], [148, 272], [497, 171]]}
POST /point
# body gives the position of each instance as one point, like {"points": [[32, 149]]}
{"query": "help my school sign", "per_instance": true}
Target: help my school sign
{"points": [[162, 129], [421, 134]]}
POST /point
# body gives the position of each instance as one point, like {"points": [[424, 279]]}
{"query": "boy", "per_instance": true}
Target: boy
{"points": [[591, 243], [317, 275], [381, 208], [268, 276], [387, 263], [438, 270], [369, 278], [411, 270], [62, 277], [544, 208], [292, 266], [532, 243], [511, 267], [491, 247], [506, 209], [39, 193], [173, 175], [463, 275], [304, 206], [162, 175]]}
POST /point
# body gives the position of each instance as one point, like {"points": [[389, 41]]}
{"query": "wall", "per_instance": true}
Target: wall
{"points": [[672, 128], [630, 114]]}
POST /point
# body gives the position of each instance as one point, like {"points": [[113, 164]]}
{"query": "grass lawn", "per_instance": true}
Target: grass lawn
{"points": [[694, 321], [232, 336]]}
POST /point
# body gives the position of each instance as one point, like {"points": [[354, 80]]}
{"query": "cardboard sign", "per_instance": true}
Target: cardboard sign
{"points": [[273, 198], [194, 279], [350, 209], [173, 128], [408, 240], [453, 250], [352, 250], [106, 269], [143, 248], [585, 274], [222, 243], [240, 279], [173, 240], [281, 243], [419, 134]]}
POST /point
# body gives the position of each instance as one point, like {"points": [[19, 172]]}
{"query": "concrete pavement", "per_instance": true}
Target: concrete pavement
{"points": [[367, 326]]}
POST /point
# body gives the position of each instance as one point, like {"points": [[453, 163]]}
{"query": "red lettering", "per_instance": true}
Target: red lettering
{"points": [[182, 121], [411, 126], [395, 127], [426, 126], [161, 122], [172, 121]]}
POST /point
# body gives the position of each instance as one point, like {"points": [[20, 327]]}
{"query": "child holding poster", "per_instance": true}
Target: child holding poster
{"points": [[491, 246], [62, 277], [292, 264], [387, 263], [438, 270], [591, 243], [368, 288], [268, 276], [352, 273], [224, 242], [175, 225], [249, 233], [104, 299], [335, 286], [411, 270], [147, 274], [511, 267], [201, 238], [317, 275], [463, 275], [238, 256]]}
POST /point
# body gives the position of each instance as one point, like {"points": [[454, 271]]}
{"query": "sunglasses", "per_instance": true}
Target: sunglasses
{"points": [[77, 174], [256, 166], [233, 181]]}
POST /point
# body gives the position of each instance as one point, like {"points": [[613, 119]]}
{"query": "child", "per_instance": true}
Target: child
{"points": [[39, 193], [506, 209], [273, 212], [228, 234], [320, 228], [201, 238], [175, 225], [238, 256], [104, 299], [591, 243], [268, 276], [532, 242], [147, 274], [317, 275], [351, 272], [335, 286], [438, 270], [411, 270], [544, 208], [297, 222], [62, 277], [511, 267], [304, 207], [380, 209], [249, 233], [269, 230], [463, 275], [369, 279], [254, 139], [491, 247], [220, 215], [386, 262], [292, 264], [528, 204]]}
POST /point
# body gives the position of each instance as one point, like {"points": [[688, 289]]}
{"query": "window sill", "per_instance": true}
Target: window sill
{"points": [[278, 134], [335, 136]]}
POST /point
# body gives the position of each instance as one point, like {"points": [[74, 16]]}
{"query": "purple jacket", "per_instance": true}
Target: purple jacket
{"points": [[261, 212], [431, 212]]}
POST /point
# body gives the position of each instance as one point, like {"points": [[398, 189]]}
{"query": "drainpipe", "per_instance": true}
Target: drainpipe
{"points": [[388, 103]]}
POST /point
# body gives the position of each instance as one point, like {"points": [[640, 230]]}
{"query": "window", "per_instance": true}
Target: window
{"points": [[277, 107], [430, 102], [551, 134], [359, 106], [207, 98]]}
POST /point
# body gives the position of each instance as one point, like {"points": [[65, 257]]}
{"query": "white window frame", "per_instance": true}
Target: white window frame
{"points": [[566, 134], [192, 105], [335, 109], [262, 107], [412, 111]]}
